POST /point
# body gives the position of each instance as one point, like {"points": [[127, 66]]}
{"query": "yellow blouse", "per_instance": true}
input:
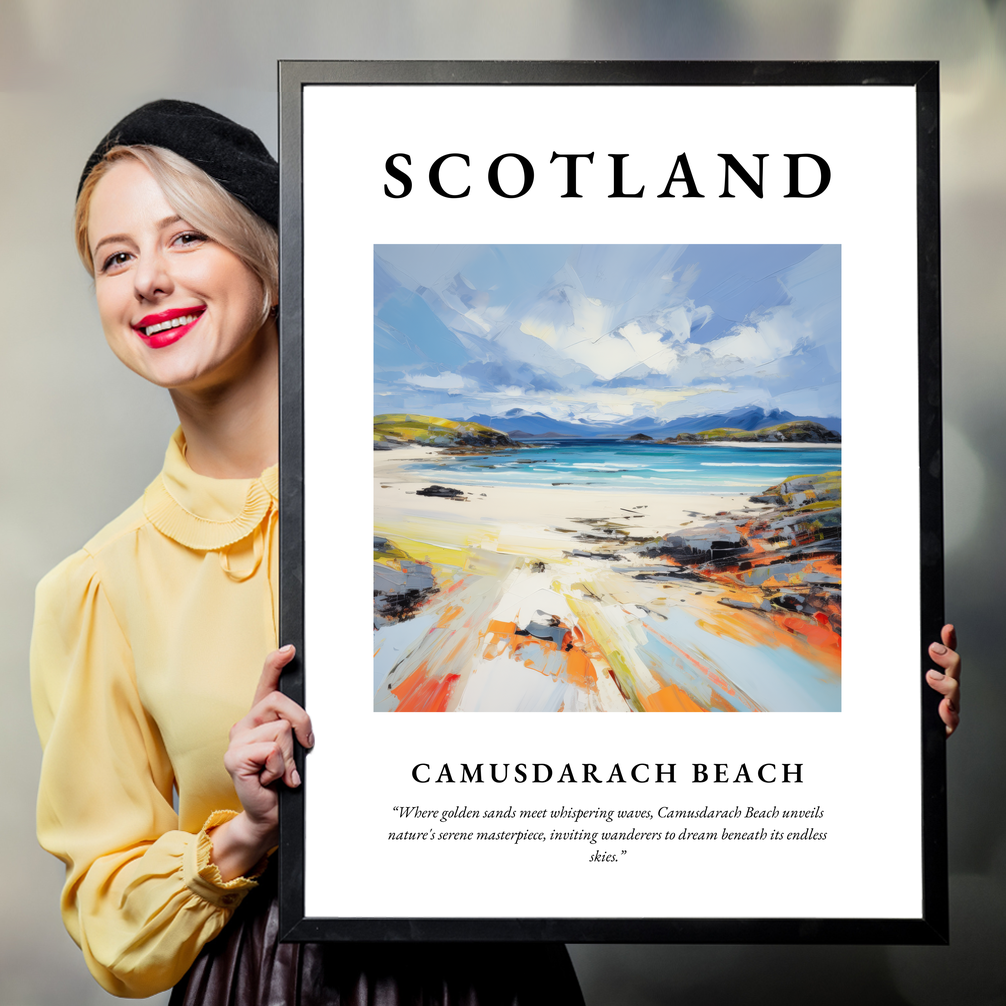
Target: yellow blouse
{"points": [[147, 647]]}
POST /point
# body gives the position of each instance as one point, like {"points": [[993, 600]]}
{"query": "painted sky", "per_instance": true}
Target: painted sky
{"points": [[606, 332]]}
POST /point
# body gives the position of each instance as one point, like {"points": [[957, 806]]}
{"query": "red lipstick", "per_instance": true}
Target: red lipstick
{"points": [[166, 327]]}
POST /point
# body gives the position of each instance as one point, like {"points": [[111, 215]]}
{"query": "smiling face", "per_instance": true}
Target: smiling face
{"points": [[177, 307]]}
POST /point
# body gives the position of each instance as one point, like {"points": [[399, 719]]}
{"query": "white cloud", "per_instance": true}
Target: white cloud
{"points": [[579, 328], [761, 339]]}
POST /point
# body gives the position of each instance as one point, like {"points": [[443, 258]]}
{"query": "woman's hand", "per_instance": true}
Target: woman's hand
{"points": [[260, 753], [947, 682]]}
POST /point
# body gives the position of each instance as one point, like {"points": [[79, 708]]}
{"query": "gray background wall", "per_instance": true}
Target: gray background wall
{"points": [[81, 436]]}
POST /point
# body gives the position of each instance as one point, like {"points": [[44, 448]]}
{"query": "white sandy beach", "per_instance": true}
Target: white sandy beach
{"points": [[640, 512]]}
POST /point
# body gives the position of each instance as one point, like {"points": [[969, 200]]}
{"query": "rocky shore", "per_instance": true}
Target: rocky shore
{"points": [[513, 598]]}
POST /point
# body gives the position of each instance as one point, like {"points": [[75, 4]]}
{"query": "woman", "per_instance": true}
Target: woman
{"points": [[148, 643]]}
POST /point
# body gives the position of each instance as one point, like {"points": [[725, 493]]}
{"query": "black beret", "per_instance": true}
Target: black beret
{"points": [[230, 154]]}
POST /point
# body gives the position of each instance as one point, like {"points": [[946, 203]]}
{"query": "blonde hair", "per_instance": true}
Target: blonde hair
{"points": [[199, 200]]}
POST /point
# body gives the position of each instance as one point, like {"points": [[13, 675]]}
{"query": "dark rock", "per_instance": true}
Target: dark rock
{"points": [[732, 603], [399, 593], [540, 630], [662, 573], [443, 491], [703, 545]]}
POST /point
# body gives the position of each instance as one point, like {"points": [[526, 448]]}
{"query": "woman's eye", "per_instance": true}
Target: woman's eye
{"points": [[114, 261], [190, 238]]}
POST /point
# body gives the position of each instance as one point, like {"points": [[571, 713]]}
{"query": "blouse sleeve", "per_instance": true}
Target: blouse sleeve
{"points": [[141, 898]]}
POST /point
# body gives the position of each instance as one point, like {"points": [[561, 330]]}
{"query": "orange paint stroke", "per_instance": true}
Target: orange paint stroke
{"points": [[819, 636], [670, 699], [501, 628], [580, 671], [777, 628], [575, 651], [450, 612], [716, 701], [419, 693]]}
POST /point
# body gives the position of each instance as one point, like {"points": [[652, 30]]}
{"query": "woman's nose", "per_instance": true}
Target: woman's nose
{"points": [[152, 277]]}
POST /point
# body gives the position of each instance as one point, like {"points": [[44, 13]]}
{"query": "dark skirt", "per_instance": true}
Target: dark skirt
{"points": [[246, 965]]}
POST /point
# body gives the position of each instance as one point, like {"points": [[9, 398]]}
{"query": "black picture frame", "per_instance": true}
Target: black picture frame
{"points": [[932, 926]]}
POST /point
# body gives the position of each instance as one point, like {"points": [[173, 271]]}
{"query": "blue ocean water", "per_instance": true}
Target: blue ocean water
{"points": [[616, 465]]}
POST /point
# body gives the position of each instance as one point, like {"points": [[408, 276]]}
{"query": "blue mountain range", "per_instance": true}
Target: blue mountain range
{"points": [[521, 423]]}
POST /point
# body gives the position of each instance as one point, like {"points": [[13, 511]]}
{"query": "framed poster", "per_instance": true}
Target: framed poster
{"points": [[583, 364]]}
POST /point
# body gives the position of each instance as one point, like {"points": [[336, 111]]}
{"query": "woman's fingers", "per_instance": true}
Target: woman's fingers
{"points": [[948, 658], [277, 735], [274, 766], [271, 670], [949, 711], [949, 688], [277, 706], [949, 636], [261, 749], [270, 703], [947, 680], [260, 761]]}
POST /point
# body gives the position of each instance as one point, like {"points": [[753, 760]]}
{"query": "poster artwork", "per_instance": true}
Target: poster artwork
{"points": [[607, 478]]}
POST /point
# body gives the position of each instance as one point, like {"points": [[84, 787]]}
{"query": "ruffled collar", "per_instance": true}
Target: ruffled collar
{"points": [[203, 513]]}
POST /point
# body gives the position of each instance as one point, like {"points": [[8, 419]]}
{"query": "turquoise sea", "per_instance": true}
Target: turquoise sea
{"points": [[617, 465]]}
